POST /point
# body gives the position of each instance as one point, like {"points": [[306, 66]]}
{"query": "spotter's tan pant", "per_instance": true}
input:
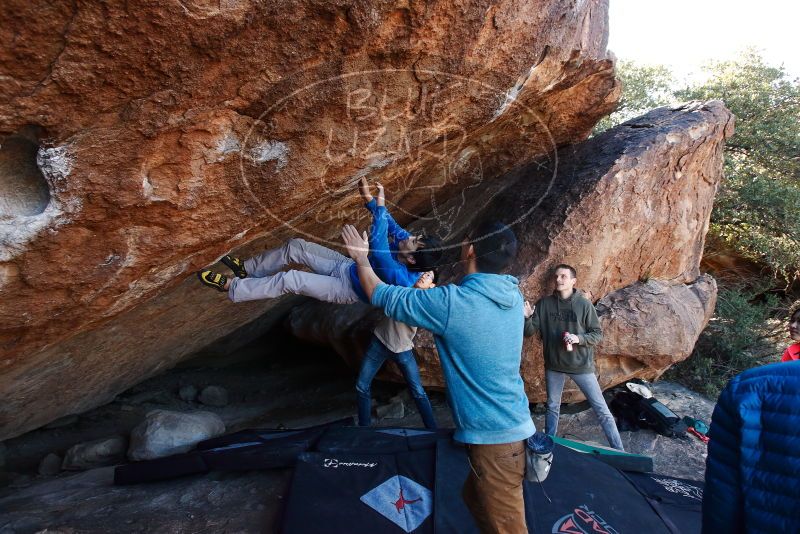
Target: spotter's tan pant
{"points": [[493, 490]]}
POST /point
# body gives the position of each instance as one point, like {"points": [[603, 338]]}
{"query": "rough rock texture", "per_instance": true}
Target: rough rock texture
{"points": [[632, 203], [655, 323], [50, 465], [98, 453], [213, 396], [140, 143], [628, 205], [163, 433]]}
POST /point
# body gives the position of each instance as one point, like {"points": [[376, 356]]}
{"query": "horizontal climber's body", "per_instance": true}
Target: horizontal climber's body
{"points": [[333, 277]]}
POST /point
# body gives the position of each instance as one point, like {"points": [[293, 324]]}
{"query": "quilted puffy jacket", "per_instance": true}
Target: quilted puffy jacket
{"points": [[753, 464]]}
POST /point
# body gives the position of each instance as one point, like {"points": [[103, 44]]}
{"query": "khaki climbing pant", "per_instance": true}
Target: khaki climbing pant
{"points": [[493, 490]]}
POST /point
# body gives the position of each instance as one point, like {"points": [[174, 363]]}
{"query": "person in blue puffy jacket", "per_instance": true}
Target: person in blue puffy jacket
{"points": [[753, 464]]}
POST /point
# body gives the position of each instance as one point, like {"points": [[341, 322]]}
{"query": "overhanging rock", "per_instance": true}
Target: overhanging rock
{"points": [[168, 134]]}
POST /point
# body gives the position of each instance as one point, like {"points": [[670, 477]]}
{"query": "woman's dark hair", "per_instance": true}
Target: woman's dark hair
{"points": [[495, 246], [428, 257]]}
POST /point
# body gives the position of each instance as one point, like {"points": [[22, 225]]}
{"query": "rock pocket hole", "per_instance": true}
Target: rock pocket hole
{"points": [[23, 188]]}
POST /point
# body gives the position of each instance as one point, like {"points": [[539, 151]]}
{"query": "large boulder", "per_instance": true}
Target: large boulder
{"points": [[629, 209], [652, 325], [142, 143], [647, 327]]}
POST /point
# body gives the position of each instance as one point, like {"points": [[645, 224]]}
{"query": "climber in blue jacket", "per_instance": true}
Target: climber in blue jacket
{"points": [[753, 464]]}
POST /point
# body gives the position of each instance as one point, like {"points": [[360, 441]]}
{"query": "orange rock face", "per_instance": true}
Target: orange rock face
{"points": [[629, 209], [141, 142]]}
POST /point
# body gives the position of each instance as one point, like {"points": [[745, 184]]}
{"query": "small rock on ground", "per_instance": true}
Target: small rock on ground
{"points": [[164, 432], [214, 396], [188, 393], [50, 465], [394, 410], [97, 453]]}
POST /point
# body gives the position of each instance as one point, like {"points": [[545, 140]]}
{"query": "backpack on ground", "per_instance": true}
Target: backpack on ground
{"points": [[662, 419], [633, 411]]}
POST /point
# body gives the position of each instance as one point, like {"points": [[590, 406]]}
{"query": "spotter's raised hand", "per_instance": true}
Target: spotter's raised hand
{"points": [[357, 245]]}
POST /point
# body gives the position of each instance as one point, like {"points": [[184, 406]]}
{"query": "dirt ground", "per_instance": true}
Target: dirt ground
{"points": [[302, 386]]}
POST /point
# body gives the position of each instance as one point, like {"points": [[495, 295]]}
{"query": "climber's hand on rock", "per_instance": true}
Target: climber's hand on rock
{"points": [[363, 188], [381, 196]]}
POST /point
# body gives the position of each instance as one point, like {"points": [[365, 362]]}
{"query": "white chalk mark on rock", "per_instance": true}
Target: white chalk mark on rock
{"points": [[56, 164], [512, 94], [228, 144], [270, 151], [16, 231]]}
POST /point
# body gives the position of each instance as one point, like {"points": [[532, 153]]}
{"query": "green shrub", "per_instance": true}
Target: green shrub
{"points": [[756, 216], [644, 87], [734, 340], [756, 209]]}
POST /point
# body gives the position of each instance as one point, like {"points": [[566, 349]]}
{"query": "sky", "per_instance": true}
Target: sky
{"points": [[685, 34]]}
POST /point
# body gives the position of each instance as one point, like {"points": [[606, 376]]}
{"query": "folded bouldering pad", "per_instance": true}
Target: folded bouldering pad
{"points": [[339, 493]]}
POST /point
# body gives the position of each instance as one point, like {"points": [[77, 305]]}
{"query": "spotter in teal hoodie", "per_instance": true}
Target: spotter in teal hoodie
{"points": [[477, 326]]}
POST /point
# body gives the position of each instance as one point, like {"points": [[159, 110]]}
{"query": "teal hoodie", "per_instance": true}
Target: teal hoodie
{"points": [[477, 326]]}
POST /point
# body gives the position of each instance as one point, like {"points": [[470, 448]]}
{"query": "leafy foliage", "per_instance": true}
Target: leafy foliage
{"points": [[736, 339], [756, 216], [756, 210], [766, 103], [644, 87]]}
